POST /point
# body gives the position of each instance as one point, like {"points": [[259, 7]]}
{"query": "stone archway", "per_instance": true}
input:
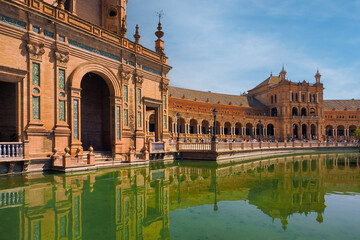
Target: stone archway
{"points": [[95, 113], [113, 107]]}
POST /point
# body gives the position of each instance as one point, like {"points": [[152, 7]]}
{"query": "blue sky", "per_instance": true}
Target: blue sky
{"points": [[230, 46]]}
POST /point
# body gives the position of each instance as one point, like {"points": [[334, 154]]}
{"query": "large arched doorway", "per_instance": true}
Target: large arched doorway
{"points": [[341, 131], [218, 125], [304, 131], [259, 130], [182, 125], [8, 112], [313, 131], [95, 113], [205, 127], [249, 129], [227, 128], [193, 126], [270, 130], [295, 131], [238, 129], [329, 131]]}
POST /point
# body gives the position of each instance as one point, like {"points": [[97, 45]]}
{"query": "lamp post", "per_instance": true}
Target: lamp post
{"points": [[214, 139], [178, 126]]}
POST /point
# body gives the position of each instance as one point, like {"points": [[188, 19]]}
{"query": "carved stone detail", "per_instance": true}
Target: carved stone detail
{"points": [[164, 87], [125, 77], [139, 80], [62, 58], [36, 51]]}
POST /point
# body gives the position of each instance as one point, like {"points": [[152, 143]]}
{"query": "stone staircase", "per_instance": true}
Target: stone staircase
{"points": [[100, 156]]}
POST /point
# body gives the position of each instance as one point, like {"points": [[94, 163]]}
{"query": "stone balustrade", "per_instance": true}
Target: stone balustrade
{"points": [[240, 146], [11, 150]]}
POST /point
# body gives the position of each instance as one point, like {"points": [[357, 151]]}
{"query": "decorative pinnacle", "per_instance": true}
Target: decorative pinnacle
{"points": [[159, 33], [137, 35], [317, 75]]}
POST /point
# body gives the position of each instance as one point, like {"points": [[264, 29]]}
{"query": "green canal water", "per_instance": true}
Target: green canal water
{"points": [[297, 197]]}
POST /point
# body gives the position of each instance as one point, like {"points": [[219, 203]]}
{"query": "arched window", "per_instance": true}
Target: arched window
{"points": [[294, 111], [249, 129], [270, 130], [274, 112], [303, 112]]}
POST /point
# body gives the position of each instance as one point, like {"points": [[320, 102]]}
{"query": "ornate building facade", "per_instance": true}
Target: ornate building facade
{"points": [[72, 81], [72, 78], [276, 109]]}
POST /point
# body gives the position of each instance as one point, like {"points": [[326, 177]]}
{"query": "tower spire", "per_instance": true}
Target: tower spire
{"points": [[137, 34], [283, 73], [159, 43], [317, 76]]}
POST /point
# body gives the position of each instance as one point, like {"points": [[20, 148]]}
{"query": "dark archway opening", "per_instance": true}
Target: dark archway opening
{"points": [[313, 131], [248, 130], [152, 123], [205, 127], [341, 131], [270, 130], [304, 131], [303, 112], [193, 126], [294, 111], [238, 129], [295, 131], [329, 131], [227, 128], [259, 130], [8, 112], [274, 112], [95, 113]]}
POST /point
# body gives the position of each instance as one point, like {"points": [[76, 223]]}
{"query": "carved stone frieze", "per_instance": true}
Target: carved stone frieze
{"points": [[35, 50]]}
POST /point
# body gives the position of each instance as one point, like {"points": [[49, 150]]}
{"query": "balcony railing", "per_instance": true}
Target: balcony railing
{"points": [[306, 117], [245, 146], [11, 150]]}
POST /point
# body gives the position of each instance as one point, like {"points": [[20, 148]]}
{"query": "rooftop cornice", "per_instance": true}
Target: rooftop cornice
{"points": [[64, 17]]}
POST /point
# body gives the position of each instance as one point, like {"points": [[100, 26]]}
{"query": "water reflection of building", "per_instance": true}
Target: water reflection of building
{"points": [[135, 203]]}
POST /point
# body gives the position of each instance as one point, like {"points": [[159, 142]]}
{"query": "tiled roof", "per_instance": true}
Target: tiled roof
{"points": [[215, 98], [272, 80], [340, 105]]}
